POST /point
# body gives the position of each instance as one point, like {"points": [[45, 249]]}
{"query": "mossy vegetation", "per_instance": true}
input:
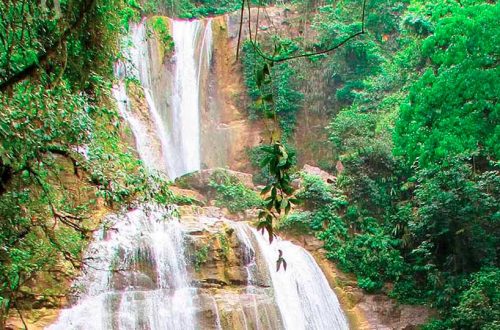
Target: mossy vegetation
{"points": [[200, 257], [159, 26], [231, 193]]}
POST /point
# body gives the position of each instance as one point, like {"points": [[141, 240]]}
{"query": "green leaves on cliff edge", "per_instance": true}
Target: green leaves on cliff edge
{"points": [[279, 192]]}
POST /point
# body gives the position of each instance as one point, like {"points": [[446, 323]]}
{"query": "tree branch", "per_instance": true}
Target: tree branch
{"points": [[44, 55], [241, 27], [328, 50]]}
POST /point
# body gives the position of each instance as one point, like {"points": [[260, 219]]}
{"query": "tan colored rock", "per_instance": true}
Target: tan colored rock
{"points": [[193, 194], [237, 309], [327, 177], [35, 320], [201, 179]]}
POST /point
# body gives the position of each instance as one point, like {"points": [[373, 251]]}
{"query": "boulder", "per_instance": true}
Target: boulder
{"points": [[200, 180], [193, 194], [327, 177]]}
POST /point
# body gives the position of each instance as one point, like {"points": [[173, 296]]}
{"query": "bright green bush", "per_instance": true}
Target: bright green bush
{"points": [[298, 222], [230, 192]]}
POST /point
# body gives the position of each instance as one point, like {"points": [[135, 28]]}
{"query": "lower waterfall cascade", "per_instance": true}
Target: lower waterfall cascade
{"points": [[137, 275]]}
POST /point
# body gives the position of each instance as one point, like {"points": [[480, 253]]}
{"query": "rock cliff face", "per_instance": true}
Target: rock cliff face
{"points": [[225, 130], [232, 292], [310, 136]]}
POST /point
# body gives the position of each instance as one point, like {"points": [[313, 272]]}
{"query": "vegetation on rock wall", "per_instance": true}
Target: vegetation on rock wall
{"points": [[159, 26], [283, 89], [231, 193], [62, 158], [415, 128]]}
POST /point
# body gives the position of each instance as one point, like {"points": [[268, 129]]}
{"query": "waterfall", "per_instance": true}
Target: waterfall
{"points": [[134, 277], [302, 292], [186, 93], [138, 272], [173, 106], [137, 276]]}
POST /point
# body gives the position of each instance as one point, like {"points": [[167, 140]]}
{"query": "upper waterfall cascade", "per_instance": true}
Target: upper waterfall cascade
{"points": [[139, 273], [173, 108]]}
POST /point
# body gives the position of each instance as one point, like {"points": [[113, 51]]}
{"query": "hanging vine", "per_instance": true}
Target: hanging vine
{"points": [[278, 193]]}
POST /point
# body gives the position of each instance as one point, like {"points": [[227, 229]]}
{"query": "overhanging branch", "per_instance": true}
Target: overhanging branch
{"points": [[308, 54], [50, 51]]}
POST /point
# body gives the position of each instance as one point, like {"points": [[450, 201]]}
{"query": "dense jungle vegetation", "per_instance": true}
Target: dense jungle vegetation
{"points": [[414, 133], [415, 128]]}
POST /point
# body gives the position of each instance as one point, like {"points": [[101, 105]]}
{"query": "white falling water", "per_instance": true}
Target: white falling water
{"points": [[177, 122], [185, 99], [302, 293], [138, 66], [135, 277], [145, 147]]}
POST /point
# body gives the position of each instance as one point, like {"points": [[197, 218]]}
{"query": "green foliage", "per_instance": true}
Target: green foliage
{"points": [[159, 26], [201, 257], [258, 153], [420, 168], [322, 201], [297, 222], [416, 131], [372, 255], [272, 88], [479, 305], [350, 65], [189, 9], [453, 108], [442, 223], [315, 192], [279, 191], [224, 243], [255, 155], [230, 192], [352, 130]]}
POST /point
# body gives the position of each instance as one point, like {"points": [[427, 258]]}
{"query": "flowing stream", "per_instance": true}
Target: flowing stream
{"points": [[137, 272]]}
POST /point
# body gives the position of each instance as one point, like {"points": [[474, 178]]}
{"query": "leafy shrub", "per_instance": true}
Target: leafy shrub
{"points": [[256, 156], [283, 88], [478, 306], [316, 193], [299, 222], [230, 192], [200, 257]]}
